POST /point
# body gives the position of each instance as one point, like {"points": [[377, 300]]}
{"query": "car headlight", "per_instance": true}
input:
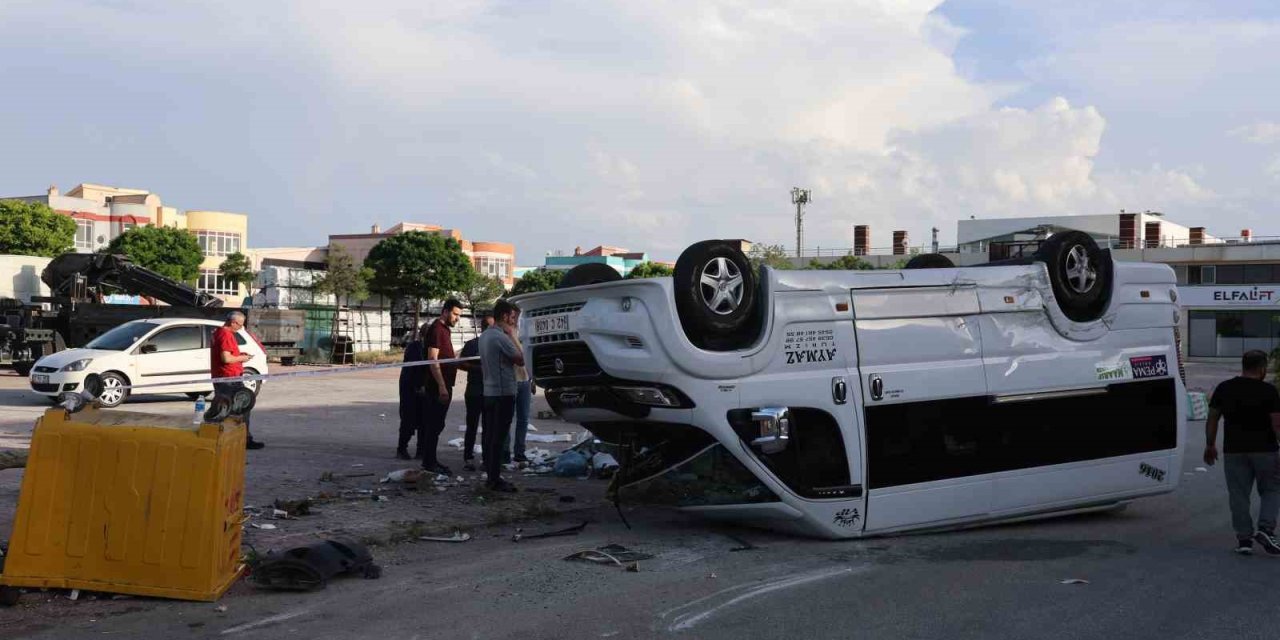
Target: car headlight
{"points": [[78, 365]]}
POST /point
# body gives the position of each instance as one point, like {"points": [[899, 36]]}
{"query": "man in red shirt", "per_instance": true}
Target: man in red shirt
{"points": [[438, 341], [226, 361]]}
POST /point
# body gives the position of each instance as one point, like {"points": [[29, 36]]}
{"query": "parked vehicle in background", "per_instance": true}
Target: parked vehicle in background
{"points": [[852, 403], [74, 312], [161, 350]]}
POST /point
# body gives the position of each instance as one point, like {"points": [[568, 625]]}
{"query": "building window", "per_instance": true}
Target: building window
{"points": [[84, 234], [1228, 334], [1230, 274], [212, 282], [494, 267], [218, 243]]}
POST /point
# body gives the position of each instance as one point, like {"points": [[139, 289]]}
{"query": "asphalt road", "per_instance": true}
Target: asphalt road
{"points": [[1160, 569]]}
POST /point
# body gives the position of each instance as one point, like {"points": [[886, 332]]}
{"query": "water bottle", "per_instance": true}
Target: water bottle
{"points": [[199, 417]]}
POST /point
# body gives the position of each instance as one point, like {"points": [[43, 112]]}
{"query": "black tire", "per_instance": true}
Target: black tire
{"points": [[9, 596], [1080, 273], [110, 396], [590, 273], [930, 261], [23, 368], [722, 317]]}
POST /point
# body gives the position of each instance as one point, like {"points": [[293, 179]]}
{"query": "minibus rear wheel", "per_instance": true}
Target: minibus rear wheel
{"points": [[589, 273], [716, 296], [930, 261], [1080, 273]]}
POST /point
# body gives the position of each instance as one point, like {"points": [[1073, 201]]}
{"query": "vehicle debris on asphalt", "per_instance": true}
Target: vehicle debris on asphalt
{"points": [[310, 567], [615, 554], [13, 460], [457, 536], [568, 531], [407, 476]]}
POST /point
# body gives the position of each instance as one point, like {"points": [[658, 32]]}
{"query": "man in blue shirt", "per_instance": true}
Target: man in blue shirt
{"points": [[499, 357]]}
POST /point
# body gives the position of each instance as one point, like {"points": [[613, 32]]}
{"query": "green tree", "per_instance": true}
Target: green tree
{"points": [[173, 253], [847, 262], [419, 266], [33, 229], [479, 293], [540, 279], [769, 255], [896, 265], [237, 270], [343, 278], [649, 270]]}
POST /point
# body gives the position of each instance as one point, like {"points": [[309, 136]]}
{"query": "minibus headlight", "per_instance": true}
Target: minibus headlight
{"points": [[651, 396]]}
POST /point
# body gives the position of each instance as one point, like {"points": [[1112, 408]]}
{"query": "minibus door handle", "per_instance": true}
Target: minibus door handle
{"points": [[839, 390], [877, 387]]}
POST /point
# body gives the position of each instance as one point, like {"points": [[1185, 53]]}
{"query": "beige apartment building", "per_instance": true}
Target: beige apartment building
{"points": [[495, 259], [102, 213]]}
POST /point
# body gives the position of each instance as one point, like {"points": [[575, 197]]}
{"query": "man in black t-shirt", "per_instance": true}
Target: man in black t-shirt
{"points": [[1251, 407], [474, 394]]}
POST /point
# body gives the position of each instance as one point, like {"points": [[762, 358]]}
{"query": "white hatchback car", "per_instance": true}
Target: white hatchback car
{"points": [[143, 352]]}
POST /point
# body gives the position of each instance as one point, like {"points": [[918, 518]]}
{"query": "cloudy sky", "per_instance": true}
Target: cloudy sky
{"points": [[649, 124]]}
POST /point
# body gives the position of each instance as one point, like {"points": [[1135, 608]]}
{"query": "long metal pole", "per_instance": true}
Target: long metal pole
{"points": [[799, 225]]}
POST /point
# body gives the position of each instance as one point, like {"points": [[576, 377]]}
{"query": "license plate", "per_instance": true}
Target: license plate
{"points": [[40, 379], [551, 324]]}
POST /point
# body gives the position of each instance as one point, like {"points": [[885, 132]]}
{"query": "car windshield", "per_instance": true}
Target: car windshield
{"points": [[122, 337]]}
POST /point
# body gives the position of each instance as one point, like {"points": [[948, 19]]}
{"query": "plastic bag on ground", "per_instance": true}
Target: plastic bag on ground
{"points": [[571, 464]]}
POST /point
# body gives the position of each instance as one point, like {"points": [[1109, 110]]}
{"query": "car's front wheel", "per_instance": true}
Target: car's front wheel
{"points": [[253, 385], [114, 391], [715, 295]]}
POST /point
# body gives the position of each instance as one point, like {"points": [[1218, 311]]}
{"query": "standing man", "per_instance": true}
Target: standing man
{"points": [[437, 339], [524, 398], [1251, 407], [474, 394], [498, 359], [226, 361], [412, 392]]}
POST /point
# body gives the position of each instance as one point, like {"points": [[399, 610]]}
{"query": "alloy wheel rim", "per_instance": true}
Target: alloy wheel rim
{"points": [[1081, 273], [721, 286]]}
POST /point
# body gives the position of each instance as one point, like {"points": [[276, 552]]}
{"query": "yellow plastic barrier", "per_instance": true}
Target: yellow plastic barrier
{"points": [[131, 503]]}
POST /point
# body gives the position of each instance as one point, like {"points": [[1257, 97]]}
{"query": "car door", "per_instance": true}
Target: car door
{"points": [[175, 353], [822, 463], [921, 376]]}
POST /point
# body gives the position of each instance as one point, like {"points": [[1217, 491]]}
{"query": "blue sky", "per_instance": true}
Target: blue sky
{"points": [[648, 125]]}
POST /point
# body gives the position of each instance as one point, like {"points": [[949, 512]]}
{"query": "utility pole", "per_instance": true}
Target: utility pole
{"points": [[935, 239], [799, 197]]}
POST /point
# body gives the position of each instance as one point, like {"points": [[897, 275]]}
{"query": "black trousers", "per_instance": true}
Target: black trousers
{"points": [[475, 408], [411, 408], [228, 389], [434, 413], [498, 413]]}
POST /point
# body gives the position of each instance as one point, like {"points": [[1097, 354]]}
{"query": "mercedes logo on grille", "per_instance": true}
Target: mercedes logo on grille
{"points": [[559, 364]]}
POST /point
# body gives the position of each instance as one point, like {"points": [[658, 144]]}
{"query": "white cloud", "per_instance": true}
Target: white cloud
{"points": [[1261, 132], [642, 124]]}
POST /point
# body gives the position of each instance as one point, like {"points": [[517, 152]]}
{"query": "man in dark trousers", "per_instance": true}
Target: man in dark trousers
{"points": [[1251, 407], [474, 394], [226, 361], [412, 400], [498, 359], [437, 341]]}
